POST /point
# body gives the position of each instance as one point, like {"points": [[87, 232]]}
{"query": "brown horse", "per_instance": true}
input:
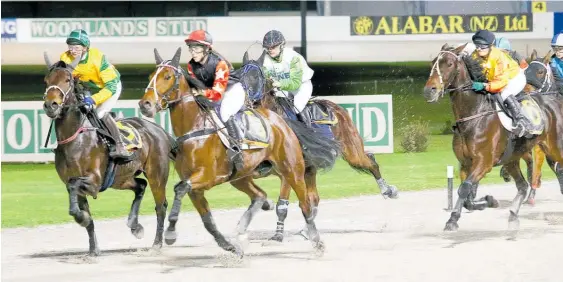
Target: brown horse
{"points": [[480, 140], [82, 158], [539, 79], [202, 161]]}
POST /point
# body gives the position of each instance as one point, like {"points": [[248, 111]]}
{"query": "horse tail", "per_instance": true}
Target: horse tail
{"points": [[319, 151], [173, 146], [353, 151]]}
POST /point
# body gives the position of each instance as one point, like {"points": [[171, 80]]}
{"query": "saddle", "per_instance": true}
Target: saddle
{"points": [[322, 118], [256, 135], [530, 109]]}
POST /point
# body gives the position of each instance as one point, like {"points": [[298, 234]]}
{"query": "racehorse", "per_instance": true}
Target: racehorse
{"points": [[481, 141], [202, 161], [82, 159], [539, 79]]}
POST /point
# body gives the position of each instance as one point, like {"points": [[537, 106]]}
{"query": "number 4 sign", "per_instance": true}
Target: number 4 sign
{"points": [[539, 6]]}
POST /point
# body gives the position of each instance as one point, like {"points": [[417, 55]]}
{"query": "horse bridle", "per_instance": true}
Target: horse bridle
{"points": [[546, 81], [65, 93], [436, 67], [163, 101]]}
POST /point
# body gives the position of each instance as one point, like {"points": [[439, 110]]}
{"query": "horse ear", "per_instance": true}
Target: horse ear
{"points": [[262, 57], [459, 48], [445, 46], [547, 57], [47, 61], [245, 58], [176, 58], [534, 55], [75, 62], [157, 57]]}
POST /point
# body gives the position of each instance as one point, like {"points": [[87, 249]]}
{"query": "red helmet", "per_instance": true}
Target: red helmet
{"points": [[200, 36]]}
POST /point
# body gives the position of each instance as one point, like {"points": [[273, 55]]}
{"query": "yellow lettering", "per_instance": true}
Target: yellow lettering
{"points": [[523, 23], [477, 23], [440, 24], [508, 24], [456, 24], [382, 26], [410, 25], [396, 29], [425, 24]]}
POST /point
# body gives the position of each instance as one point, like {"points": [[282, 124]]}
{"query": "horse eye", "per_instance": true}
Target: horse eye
{"points": [[68, 80], [167, 77]]}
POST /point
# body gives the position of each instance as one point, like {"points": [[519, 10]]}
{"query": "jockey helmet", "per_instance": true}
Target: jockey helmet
{"points": [[483, 37], [557, 40], [78, 37], [273, 38], [201, 37], [503, 43]]}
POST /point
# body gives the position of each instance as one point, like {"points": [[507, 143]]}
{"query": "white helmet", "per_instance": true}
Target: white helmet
{"points": [[557, 40]]}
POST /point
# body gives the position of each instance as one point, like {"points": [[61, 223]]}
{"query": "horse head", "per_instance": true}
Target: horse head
{"points": [[59, 93], [448, 73], [252, 77], [164, 86], [538, 74]]}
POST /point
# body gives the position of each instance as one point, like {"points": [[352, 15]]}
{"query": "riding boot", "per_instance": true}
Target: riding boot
{"points": [[521, 122], [304, 118], [117, 151], [235, 153]]}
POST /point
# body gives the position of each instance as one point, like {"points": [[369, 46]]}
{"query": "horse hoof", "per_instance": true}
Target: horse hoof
{"points": [[268, 205], [138, 232], [170, 237], [303, 233], [319, 249], [95, 252], [492, 202], [277, 237], [156, 246], [514, 224], [531, 202], [451, 226]]}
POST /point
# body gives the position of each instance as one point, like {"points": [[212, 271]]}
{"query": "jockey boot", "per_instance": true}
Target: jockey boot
{"points": [[304, 118], [117, 151], [520, 121], [235, 152]]}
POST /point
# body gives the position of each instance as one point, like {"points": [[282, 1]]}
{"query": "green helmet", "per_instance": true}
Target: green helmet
{"points": [[78, 36]]}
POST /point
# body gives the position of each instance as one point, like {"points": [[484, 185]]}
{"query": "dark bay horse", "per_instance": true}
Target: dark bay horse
{"points": [[202, 161], [82, 159], [539, 79], [480, 140]]}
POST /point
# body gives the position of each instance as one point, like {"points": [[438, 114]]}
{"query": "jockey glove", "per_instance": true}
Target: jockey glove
{"points": [[478, 86], [202, 100], [89, 103]]}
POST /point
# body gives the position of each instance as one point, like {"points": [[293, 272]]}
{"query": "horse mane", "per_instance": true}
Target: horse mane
{"points": [[474, 67]]}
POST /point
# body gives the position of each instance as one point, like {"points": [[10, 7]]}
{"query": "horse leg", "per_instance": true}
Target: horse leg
{"points": [[557, 168], [534, 173], [313, 193], [94, 249], [386, 189], [258, 199], [281, 209], [514, 169], [138, 187], [478, 170], [202, 206], [180, 190], [158, 177], [80, 210]]}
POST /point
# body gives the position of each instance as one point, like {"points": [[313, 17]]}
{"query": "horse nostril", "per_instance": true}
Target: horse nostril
{"points": [[53, 105]]}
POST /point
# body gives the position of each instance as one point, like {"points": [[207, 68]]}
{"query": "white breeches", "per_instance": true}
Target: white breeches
{"points": [[514, 86], [232, 102], [300, 96], [108, 105]]}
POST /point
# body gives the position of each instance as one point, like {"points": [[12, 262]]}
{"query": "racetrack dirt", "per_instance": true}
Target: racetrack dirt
{"points": [[367, 239]]}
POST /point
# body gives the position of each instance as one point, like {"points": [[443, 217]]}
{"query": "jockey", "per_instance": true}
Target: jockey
{"points": [[98, 74], [503, 75], [289, 72], [504, 44], [213, 70], [556, 61]]}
